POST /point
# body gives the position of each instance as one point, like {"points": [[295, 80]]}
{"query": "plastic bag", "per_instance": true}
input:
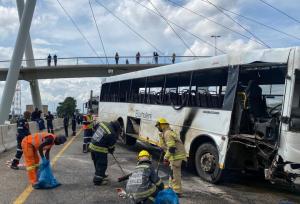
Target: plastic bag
{"points": [[167, 196], [46, 180]]}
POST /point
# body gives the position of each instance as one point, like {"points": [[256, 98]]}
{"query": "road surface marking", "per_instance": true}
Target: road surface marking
{"points": [[26, 193]]}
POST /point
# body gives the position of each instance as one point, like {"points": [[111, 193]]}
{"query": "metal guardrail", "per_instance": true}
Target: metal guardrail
{"points": [[103, 60]]}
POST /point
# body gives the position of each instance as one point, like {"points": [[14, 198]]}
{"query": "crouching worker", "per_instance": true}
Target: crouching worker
{"points": [[144, 183], [38, 142], [102, 143]]}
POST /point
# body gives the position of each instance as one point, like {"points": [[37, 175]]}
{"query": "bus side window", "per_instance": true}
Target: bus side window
{"points": [[295, 113]]}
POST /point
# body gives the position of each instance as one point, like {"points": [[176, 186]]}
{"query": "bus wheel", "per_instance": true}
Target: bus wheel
{"points": [[207, 163]]}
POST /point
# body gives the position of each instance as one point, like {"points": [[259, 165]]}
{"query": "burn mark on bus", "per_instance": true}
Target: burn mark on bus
{"points": [[187, 123]]}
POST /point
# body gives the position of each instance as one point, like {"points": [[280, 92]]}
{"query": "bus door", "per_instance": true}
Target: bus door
{"points": [[289, 148]]}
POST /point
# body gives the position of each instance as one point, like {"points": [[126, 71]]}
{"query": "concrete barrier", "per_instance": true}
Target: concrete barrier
{"points": [[2, 148], [33, 127], [8, 133]]}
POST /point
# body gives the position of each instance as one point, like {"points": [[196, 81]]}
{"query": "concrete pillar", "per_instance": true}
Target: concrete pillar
{"points": [[16, 60], [34, 84]]}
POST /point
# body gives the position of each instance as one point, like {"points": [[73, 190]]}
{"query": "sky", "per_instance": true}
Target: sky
{"points": [[53, 32]]}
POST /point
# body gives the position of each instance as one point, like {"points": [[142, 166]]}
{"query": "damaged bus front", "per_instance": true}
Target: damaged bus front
{"points": [[265, 128]]}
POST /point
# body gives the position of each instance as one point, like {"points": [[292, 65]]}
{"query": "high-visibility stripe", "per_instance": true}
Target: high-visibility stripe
{"points": [[29, 168], [106, 128], [171, 143], [98, 149], [142, 166], [158, 182], [145, 194]]}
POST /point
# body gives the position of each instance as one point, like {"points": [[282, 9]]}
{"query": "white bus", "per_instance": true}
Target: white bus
{"points": [[235, 111]]}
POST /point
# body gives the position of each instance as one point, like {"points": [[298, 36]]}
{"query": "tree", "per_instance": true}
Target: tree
{"points": [[68, 106]]}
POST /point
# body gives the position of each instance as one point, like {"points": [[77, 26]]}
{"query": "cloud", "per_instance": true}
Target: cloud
{"points": [[8, 21]]}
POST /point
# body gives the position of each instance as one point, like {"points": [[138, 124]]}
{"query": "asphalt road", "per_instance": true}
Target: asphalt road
{"points": [[75, 171]]}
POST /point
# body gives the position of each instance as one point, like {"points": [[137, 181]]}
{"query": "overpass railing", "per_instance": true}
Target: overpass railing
{"points": [[103, 60]]}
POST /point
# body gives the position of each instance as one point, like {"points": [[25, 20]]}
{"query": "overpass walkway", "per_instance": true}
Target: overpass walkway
{"points": [[77, 67]]}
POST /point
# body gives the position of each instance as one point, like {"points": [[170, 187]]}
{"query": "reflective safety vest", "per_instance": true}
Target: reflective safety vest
{"points": [[143, 182], [38, 138], [170, 140], [89, 120], [103, 139]]}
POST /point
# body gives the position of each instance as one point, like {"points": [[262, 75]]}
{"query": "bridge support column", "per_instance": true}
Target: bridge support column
{"points": [[16, 60], [34, 84]]}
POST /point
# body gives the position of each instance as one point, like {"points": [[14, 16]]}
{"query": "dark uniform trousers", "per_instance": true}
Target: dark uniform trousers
{"points": [[100, 163]]}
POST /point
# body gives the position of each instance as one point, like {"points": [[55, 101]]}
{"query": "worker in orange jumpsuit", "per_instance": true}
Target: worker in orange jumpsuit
{"points": [[34, 143]]}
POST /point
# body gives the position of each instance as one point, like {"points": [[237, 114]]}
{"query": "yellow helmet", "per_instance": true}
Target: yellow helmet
{"points": [[161, 121], [144, 153]]}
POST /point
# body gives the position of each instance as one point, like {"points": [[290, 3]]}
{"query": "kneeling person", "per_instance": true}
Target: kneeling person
{"points": [[102, 143], [144, 183], [38, 142]]}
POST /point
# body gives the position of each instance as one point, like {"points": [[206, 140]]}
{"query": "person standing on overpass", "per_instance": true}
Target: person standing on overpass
{"points": [[88, 125], [55, 60], [102, 143], [173, 58], [49, 119], [22, 132], [49, 60], [137, 58], [175, 153], [38, 142], [117, 58]]}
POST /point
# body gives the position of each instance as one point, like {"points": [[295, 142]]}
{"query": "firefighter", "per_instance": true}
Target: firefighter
{"points": [[88, 125], [49, 118], [34, 143], [144, 183], [22, 132], [102, 143], [175, 153]]}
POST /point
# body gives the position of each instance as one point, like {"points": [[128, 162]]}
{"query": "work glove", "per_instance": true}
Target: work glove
{"points": [[166, 162], [111, 150]]}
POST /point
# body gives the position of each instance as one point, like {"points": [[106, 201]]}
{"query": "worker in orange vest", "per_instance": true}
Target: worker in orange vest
{"points": [[88, 126], [34, 143]]}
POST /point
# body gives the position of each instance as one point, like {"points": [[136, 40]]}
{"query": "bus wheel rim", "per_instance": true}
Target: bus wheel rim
{"points": [[207, 161]]}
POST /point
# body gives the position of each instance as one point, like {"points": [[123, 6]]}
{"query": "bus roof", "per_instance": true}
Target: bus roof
{"points": [[275, 55]]}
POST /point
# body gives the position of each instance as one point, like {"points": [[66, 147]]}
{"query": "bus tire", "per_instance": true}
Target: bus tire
{"points": [[207, 163]]}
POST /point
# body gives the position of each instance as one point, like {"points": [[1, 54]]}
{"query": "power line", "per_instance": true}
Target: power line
{"points": [[179, 37], [217, 23], [126, 24], [280, 11], [99, 34], [206, 42], [247, 30], [78, 29], [257, 22]]}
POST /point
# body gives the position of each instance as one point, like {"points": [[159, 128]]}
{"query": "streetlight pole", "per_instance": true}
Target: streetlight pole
{"points": [[215, 37]]}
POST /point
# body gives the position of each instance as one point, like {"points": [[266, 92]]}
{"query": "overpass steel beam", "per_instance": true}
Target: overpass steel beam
{"points": [[16, 60], [34, 84]]}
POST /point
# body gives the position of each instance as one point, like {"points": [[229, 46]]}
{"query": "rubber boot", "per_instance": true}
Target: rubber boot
{"points": [[14, 164]]}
